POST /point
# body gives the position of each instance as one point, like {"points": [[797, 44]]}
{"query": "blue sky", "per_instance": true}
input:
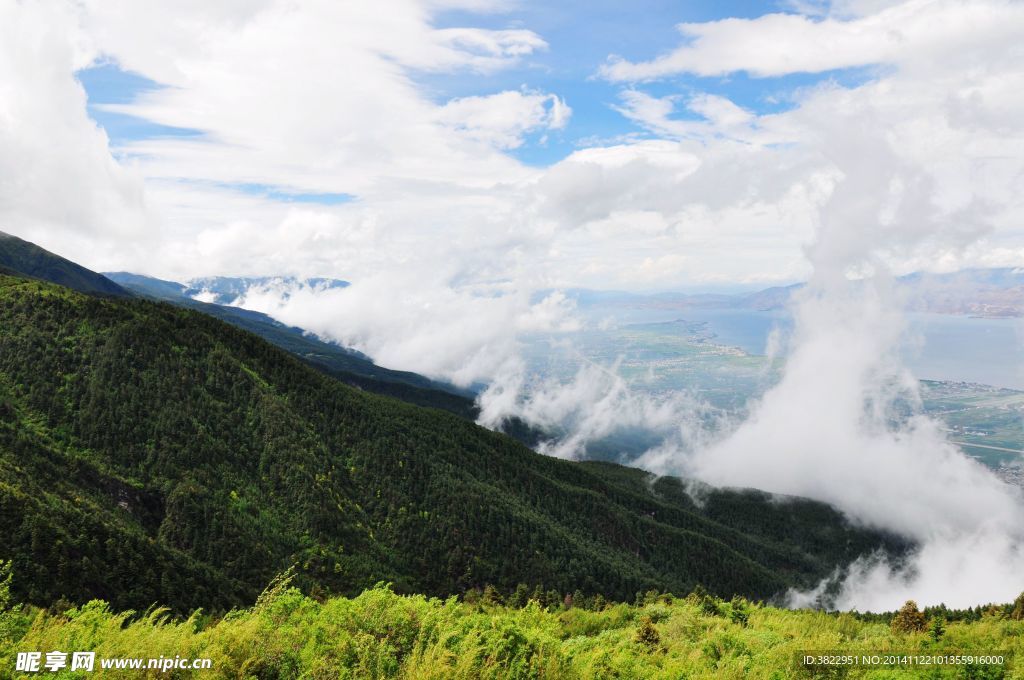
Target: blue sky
{"points": [[580, 35], [345, 139], [107, 83]]}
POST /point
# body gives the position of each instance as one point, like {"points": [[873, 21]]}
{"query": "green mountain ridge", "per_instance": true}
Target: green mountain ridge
{"points": [[18, 255], [150, 453], [343, 363]]}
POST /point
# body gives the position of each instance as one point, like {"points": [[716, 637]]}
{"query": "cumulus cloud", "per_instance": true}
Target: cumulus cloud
{"points": [[827, 429], [310, 97], [58, 181], [960, 569], [323, 97], [491, 49], [917, 31], [718, 116], [502, 119]]}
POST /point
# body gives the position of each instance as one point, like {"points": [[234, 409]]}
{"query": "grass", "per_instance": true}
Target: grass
{"points": [[383, 635]]}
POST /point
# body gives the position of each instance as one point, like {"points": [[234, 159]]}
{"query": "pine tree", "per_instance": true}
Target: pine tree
{"points": [[491, 596], [519, 597], [1018, 608], [908, 619], [646, 634]]}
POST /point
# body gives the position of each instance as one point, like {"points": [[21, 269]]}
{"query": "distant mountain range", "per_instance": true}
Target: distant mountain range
{"points": [[227, 290], [973, 292], [218, 290], [993, 293]]}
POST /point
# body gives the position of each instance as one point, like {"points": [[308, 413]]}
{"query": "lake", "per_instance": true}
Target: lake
{"points": [[938, 347]]}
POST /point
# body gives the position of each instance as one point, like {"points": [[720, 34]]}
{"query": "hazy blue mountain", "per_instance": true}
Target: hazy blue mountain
{"points": [[997, 292], [226, 290], [775, 297], [974, 292], [148, 285]]}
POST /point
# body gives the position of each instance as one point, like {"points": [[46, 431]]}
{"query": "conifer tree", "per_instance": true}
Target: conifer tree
{"points": [[909, 619]]}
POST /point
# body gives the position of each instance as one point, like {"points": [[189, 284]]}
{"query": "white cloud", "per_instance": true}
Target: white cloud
{"points": [[596, 403], [719, 116], [501, 120], [58, 183], [913, 32], [491, 48], [313, 97], [424, 324], [323, 97]]}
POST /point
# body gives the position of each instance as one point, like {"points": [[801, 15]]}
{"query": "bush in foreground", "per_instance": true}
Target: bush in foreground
{"points": [[383, 635]]}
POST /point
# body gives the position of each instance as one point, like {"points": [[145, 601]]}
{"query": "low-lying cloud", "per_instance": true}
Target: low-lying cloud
{"points": [[835, 428], [592, 406], [412, 322]]}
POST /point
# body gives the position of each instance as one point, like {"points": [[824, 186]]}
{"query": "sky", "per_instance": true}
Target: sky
{"points": [[462, 159], [646, 146]]}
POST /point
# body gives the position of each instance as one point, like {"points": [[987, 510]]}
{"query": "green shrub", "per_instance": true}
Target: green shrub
{"points": [[380, 634]]}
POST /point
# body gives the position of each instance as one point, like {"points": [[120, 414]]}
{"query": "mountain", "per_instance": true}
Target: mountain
{"points": [[29, 259], [993, 293], [19, 257], [343, 363], [150, 453], [776, 297], [227, 290], [149, 286]]}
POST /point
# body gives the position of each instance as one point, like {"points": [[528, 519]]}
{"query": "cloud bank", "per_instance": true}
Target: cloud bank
{"points": [[831, 428]]}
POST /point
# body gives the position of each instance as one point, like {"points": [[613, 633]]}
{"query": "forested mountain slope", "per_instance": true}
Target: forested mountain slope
{"points": [[154, 454], [19, 257], [347, 365], [28, 258]]}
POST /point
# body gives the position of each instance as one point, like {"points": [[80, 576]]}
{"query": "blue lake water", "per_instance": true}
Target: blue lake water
{"points": [[938, 346], [989, 351], [745, 329]]}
